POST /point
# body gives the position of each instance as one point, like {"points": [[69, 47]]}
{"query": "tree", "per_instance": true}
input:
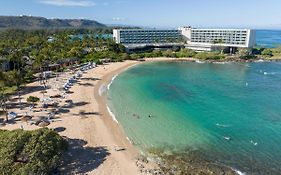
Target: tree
{"points": [[209, 56], [169, 53], [245, 54], [134, 56], [125, 56], [30, 152], [3, 96]]}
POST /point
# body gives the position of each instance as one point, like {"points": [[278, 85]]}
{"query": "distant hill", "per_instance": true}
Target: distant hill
{"points": [[31, 22]]}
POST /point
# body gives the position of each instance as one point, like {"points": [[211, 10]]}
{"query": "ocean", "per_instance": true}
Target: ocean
{"points": [[268, 38], [230, 112]]}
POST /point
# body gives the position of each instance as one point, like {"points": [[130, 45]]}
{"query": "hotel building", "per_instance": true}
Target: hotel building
{"points": [[134, 39], [196, 39]]}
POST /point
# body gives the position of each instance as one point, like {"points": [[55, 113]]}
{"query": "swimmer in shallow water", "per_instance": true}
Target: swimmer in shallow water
{"points": [[137, 116], [254, 143], [227, 138]]}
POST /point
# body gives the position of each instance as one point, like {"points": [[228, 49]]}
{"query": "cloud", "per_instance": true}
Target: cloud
{"points": [[118, 19], [73, 3]]}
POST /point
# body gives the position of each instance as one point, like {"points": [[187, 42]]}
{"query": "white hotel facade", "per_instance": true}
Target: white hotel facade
{"points": [[195, 39]]}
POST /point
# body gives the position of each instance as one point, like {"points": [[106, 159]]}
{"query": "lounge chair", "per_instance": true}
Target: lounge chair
{"points": [[12, 115]]}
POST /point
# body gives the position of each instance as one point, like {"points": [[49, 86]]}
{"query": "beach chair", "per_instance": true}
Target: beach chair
{"points": [[12, 115]]}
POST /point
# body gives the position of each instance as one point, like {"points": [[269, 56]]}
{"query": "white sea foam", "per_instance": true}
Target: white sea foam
{"points": [[129, 140], [112, 115], [269, 73], [259, 61], [102, 89], [221, 125], [220, 62], [200, 62], [238, 172], [113, 78]]}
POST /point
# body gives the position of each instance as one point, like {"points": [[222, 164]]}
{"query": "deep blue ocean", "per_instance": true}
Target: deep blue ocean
{"points": [[268, 38]]}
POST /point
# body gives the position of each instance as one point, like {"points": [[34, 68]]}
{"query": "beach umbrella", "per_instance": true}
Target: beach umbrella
{"points": [[26, 118], [44, 123]]}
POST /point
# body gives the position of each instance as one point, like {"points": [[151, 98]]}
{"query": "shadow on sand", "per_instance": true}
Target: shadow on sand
{"points": [[90, 79], [81, 159], [86, 84]]}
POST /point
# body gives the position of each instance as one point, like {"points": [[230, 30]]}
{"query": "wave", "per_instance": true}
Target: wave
{"points": [[221, 125], [200, 62], [238, 172], [259, 61], [129, 140], [270, 73], [102, 89], [221, 62], [112, 115], [113, 78]]}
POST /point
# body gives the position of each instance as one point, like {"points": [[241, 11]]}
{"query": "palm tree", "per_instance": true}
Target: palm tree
{"points": [[3, 97]]}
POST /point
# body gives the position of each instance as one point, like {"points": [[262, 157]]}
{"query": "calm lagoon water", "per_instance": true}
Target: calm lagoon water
{"points": [[231, 111]]}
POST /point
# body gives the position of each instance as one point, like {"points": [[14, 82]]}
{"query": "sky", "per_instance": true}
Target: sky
{"points": [[264, 14]]}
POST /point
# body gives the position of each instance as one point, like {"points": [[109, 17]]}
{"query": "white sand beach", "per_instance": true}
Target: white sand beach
{"points": [[95, 137]]}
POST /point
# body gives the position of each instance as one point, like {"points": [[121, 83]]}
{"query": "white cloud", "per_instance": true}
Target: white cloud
{"points": [[118, 19], [77, 3]]}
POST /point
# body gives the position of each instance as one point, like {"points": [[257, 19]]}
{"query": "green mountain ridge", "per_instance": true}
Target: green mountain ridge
{"points": [[31, 22]]}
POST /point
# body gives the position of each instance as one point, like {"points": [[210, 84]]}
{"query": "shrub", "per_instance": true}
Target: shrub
{"points": [[30, 152], [32, 99], [125, 56], [134, 56], [169, 53], [185, 53], [209, 56], [267, 52]]}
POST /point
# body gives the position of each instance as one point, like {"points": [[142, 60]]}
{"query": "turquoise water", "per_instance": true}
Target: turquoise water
{"points": [[230, 111]]}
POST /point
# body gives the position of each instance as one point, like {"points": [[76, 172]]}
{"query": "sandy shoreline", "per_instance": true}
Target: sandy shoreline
{"points": [[94, 137]]}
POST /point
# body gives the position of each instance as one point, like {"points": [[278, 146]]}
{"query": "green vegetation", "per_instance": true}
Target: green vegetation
{"points": [[276, 52], [209, 56], [32, 99], [31, 51], [31, 22], [30, 152], [246, 54], [182, 53], [185, 53], [267, 52]]}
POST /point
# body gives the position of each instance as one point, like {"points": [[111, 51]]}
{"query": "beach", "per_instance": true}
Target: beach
{"points": [[98, 144]]}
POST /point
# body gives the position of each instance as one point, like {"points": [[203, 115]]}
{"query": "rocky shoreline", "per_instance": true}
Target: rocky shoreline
{"points": [[180, 163]]}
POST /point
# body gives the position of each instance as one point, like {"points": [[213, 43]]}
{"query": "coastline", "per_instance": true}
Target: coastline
{"points": [[98, 129], [118, 134]]}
